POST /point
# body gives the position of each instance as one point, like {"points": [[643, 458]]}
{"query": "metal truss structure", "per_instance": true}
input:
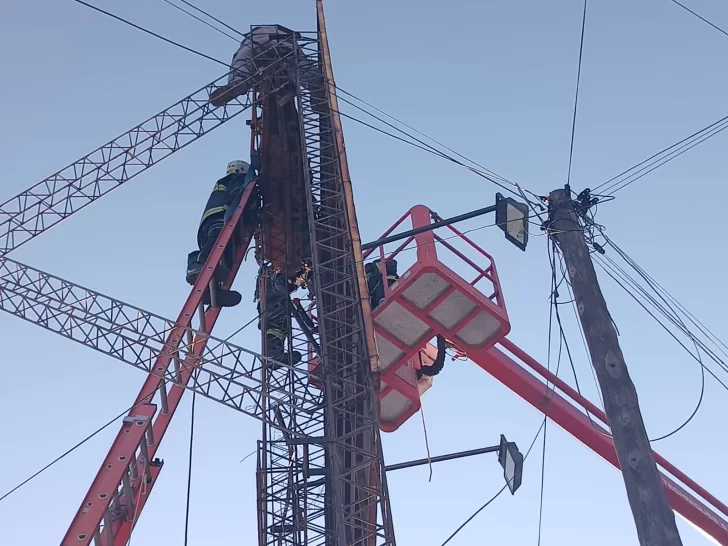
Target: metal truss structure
{"points": [[320, 472], [54, 199], [323, 482]]}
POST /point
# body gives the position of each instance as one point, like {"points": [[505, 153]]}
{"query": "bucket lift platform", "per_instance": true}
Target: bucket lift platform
{"points": [[430, 299]]}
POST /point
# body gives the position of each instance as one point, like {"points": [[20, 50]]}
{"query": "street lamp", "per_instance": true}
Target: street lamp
{"points": [[512, 217], [508, 456], [512, 462]]}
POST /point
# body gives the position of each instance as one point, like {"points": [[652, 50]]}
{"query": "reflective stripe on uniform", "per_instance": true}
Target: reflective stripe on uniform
{"points": [[214, 210], [276, 333]]}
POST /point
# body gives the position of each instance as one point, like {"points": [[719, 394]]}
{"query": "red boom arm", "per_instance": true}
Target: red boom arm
{"points": [[567, 415]]}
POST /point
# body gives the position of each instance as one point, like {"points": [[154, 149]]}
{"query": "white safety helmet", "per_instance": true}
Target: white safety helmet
{"points": [[237, 167]]}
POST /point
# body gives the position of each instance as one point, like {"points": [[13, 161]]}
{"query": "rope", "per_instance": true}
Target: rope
{"points": [[189, 468], [427, 443]]}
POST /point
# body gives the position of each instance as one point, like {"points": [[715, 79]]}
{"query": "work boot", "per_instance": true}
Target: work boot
{"points": [[224, 298], [194, 268], [282, 357]]}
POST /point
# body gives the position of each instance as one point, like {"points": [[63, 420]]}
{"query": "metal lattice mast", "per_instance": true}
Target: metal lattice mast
{"points": [[322, 483], [291, 496], [354, 474], [291, 462]]}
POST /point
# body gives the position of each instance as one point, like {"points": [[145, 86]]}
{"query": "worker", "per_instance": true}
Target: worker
{"points": [[259, 48], [375, 285], [226, 190], [277, 291]]}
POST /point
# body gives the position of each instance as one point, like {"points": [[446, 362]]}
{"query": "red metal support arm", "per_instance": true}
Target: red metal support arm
{"points": [[568, 416]]}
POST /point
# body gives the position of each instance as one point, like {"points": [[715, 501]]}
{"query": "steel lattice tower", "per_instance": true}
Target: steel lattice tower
{"points": [[321, 481]]}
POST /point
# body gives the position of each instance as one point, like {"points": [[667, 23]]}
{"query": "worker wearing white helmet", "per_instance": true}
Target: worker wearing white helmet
{"points": [[222, 198]]}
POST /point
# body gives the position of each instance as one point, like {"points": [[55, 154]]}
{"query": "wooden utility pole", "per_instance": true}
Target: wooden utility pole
{"points": [[653, 516]]}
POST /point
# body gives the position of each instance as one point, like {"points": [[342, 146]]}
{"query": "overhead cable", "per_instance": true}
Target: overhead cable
{"points": [[223, 23], [634, 173], [418, 143], [576, 94], [703, 19], [201, 20], [189, 49], [68, 452], [498, 494], [104, 427], [489, 175], [461, 156], [612, 273]]}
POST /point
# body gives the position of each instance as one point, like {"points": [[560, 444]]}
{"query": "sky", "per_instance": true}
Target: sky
{"points": [[494, 81]]}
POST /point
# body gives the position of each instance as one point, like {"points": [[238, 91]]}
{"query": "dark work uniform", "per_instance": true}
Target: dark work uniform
{"points": [[221, 200], [373, 271], [277, 291]]}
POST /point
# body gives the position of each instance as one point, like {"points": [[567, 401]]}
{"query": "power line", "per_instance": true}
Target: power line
{"points": [[666, 155], [576, 94], [201, 20], [591, 226], [498, 494], [716, 27], [203, 55], [486, 170], [667, 310], [705, 129], [698, 358], [553, 304], [552, 307], [672, 317], [71, 450], [190, 4], [108, 424], [497, 180], [425, 147]]}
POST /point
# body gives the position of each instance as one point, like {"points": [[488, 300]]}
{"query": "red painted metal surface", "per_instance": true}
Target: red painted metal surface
{"points": [[702, 513], [427, 262], [99, 497], [426, 357]]}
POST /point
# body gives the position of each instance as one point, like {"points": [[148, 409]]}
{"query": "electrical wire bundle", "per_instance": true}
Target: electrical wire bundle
{"points": [[662, 306]]}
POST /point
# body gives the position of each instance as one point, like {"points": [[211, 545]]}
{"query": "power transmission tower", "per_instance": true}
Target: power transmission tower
{"points": [[653, 516]]}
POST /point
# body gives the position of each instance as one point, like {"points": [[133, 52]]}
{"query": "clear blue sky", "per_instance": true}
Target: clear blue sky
{"points": [[494, 80]]}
